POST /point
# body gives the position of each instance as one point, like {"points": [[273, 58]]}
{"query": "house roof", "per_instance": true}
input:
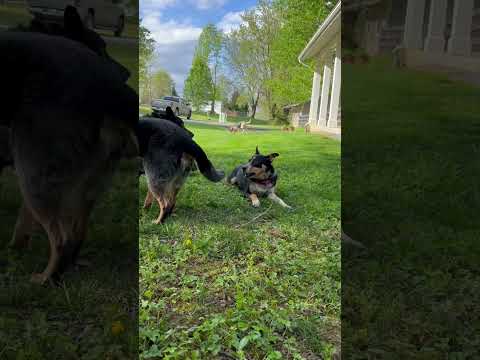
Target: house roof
{"points": [[327, 30]]}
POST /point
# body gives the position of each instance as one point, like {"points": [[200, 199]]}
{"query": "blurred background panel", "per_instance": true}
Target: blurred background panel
{"points": [[411, 129], [93, 312]]}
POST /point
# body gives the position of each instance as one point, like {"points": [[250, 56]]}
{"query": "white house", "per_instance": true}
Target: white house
{"points": [[324, 49], [217, 108], [430, 32]]}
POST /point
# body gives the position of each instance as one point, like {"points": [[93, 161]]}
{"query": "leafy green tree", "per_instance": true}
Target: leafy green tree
{"points": [[161, 83], [232, 103], [198, 85], [223, 89], [209, 48], [261, 26], [248, 52], [146, 48], [238, 54], [300, 19], [174, 90]]}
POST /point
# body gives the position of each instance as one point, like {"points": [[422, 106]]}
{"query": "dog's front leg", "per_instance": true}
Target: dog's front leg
{"points": [[275, 198], [24, 227], [148, 200], [254, 199], [56, 251]]}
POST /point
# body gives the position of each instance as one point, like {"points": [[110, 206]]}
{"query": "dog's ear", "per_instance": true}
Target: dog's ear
{"points": [[72, 22], [169, 113], [256, 151], [273, 156]]}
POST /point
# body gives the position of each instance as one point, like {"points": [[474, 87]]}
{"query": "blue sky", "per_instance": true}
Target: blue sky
{"points": [[177, 24]]}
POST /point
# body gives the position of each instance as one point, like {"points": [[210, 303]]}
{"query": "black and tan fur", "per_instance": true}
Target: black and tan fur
{"points": [[257, 178], [169, 155]]}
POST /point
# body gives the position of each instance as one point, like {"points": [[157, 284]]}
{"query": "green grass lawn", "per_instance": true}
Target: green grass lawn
{"points": [[199, 116], [231, 119], [90, 315], [410, 192], [221, 279]]}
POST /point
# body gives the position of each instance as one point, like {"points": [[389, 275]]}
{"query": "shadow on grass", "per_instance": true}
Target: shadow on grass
{"points": [[410, 193]]}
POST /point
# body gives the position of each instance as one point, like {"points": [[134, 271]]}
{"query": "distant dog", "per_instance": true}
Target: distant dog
{"points": [[71, 118], [242, 126], [257, 178], [307, 128], [234, 129], [169, 153]]}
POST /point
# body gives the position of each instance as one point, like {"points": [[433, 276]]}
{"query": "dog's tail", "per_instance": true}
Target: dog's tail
{"points": [[204, 164]]}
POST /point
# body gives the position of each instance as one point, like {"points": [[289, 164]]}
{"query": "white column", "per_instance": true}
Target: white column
{"points": [[435, 41], [322, 116], [460, 42], [314, 100], [335, 96], [413, 33]]}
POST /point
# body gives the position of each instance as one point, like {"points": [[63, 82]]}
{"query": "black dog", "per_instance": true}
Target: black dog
{"points": [[169, 154], [71, 117], [170, 116], [257, 178]]}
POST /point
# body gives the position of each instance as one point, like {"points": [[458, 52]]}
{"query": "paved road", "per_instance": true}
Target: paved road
{"points": [[216, 124]]}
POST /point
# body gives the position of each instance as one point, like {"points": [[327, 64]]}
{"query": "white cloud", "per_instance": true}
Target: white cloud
{"points": [[176, 60], [175, 45], [156, 4], [207, 4], [230, 21], [169, 32]]}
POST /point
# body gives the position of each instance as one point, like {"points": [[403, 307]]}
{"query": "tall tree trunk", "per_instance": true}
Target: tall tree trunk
{"points": [[214, 90], [254, 105]]}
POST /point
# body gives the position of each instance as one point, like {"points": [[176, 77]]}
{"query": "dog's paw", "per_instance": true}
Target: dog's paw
{"points": [[256, 204], [157, 221], [38, 278]]}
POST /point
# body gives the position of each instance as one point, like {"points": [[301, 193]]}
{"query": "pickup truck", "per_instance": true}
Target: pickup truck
{"points": [[179, 106], [96, 14]]}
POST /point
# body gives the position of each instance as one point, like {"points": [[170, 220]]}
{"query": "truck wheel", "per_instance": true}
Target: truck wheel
{"points": [[120, 26], [177, 112], [189, 115]]}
